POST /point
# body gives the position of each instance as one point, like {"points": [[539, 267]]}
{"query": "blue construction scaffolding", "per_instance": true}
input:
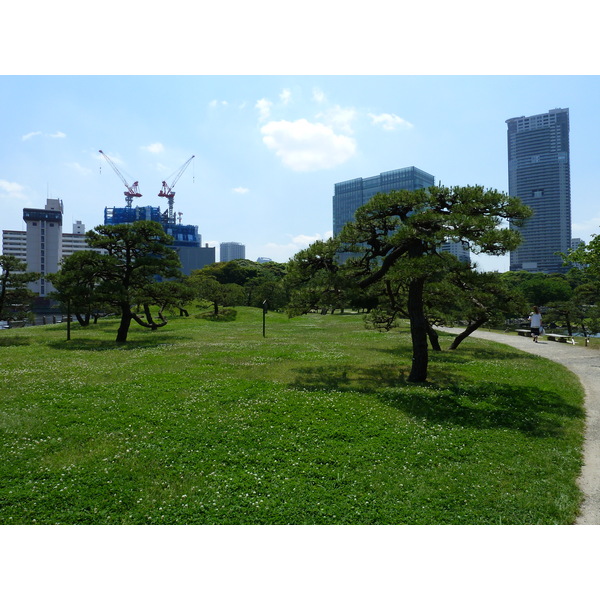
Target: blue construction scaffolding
{"points": [[186, 239], [118, 216]]}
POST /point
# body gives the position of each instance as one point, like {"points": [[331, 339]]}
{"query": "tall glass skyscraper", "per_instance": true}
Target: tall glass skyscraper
{"points": [[539, 174], [349, 195]]}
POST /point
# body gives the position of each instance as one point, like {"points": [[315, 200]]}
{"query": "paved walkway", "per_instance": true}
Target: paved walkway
{"points": [[585, 363]]}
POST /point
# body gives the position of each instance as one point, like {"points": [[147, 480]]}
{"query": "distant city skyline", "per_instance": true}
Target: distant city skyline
{"points": [[269, 149]]}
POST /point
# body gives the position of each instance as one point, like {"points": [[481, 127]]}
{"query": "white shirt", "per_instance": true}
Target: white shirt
{"points": [[535, 319]]}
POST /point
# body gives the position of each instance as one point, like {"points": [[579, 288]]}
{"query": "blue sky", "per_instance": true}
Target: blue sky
{"points": [[268, 149], [279, 104]]}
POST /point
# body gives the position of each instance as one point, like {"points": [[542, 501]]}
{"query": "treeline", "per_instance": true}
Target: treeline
{"points": [[386, 263]]}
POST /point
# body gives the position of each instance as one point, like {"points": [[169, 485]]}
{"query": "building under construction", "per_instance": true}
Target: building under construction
{"points": [[187, 240]]}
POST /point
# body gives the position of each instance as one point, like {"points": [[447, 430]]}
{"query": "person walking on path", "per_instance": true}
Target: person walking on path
{"points": [[535, 322]]}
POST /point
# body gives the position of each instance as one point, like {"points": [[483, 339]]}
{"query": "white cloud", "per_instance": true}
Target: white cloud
{"points": [[318, 95], [77, 167], [10, 189], [155, 148], [390, 122], [285, 96], [28, 136], [58, 134], [264, 108], [283, 252], [240, 190], [306, 240], [305, 146], [215, 103], [339, 118]]}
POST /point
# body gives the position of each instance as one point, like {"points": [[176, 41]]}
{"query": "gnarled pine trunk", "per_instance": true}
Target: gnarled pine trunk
{"points": [[418, 331], [467, 332], [434, 338], [126, 317]]}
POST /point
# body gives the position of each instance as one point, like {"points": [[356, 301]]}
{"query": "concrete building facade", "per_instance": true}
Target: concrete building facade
{"points": [[14, 243], [74, 242], [231, 251], [44, 242]]}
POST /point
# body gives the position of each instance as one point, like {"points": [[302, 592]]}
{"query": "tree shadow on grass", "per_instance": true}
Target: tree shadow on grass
{"points": [[14, 340], [97, 345], [482, 405], [460, 355], [349, 377], [486, 405]]}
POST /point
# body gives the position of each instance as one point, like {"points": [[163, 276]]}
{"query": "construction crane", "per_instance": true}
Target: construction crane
{"points": [[167, 190], [132, 190]]}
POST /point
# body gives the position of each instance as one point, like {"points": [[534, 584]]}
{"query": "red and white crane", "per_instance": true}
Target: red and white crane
{"points": [[167, 190], [132, 190]]}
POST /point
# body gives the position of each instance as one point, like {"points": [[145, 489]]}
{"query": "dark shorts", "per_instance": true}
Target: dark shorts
{"points": [[535, 330]]}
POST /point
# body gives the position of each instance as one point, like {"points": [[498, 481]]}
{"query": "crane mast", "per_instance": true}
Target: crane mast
{"points": [[132, 190], [168, 193]]}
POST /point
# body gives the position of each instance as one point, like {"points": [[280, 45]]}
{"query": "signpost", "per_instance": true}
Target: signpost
{"points": [[68, 319]]}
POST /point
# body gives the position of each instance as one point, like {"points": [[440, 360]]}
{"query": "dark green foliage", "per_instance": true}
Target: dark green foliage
{"points": [[394, 243], [587, 257], [77, 285], [136, 257], [539, 289], [316, 280], [207, 287], [15, 297], [257, 282]]}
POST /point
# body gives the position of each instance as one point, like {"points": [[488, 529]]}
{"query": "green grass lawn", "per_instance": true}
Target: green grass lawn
{"points": [[210, 423]]}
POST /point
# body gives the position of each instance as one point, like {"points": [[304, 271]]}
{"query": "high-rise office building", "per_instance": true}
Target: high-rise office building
{"points": [[44, 242], [43, 245], [539, 174], [231, 251], [350, 195]]}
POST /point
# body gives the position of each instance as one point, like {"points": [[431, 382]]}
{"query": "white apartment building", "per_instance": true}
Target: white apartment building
{"points": [[43, 244], [14, 243], [231, 251], [73, 242]]}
